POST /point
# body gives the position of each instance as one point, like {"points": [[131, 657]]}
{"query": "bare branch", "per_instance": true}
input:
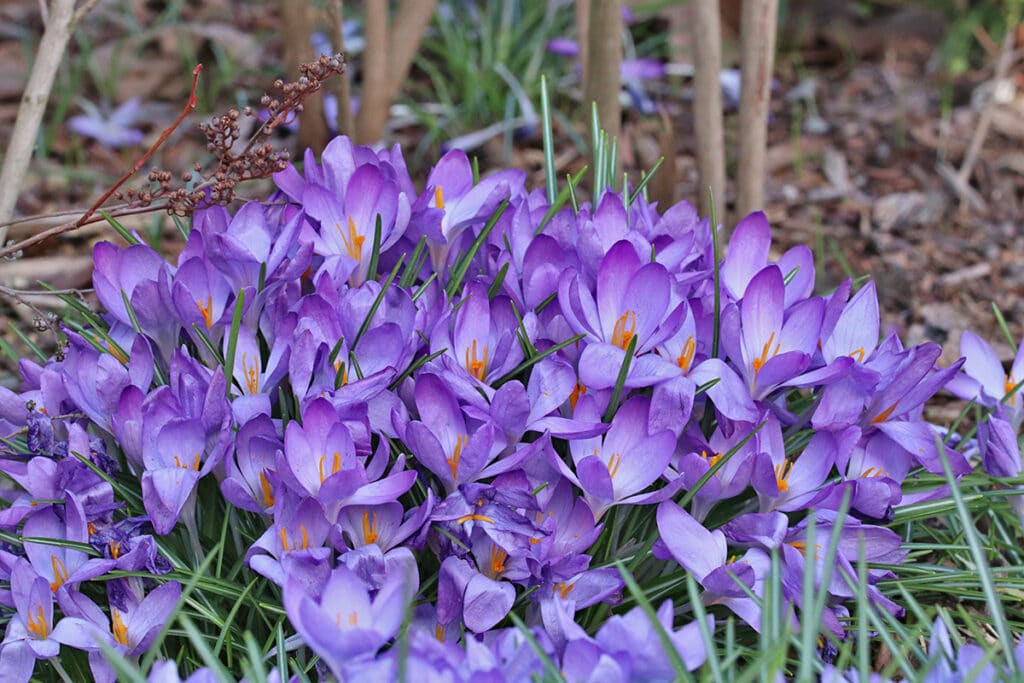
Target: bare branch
{"points": [[33, 104], [342, 89], [758, 28], [707, 105]]}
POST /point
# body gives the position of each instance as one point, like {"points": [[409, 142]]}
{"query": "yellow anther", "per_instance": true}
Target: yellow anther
{"points": [[37, 623], [574, 397], [251, 374], [685, 358], [474, 517], [476, 366], [563, 588], [369, 528], [118, 627], [711, 459], [782, 473], [268, 491], [353, 241], [624, 330], [858, 355], [438, 197], [766, 353], [497, 564], [453, 461], [206, 311], [60, 573], [335, 466], [613, 464], [884, 415]]}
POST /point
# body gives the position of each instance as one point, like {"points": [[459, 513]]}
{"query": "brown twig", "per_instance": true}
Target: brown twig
{"points": [[73, 225], [985, 120], [375, 102], [142, 160]]}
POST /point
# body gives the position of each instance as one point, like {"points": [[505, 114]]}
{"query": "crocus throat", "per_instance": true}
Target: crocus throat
{"points": [[766, 353], [686, 355], [476, 366], [782, 473], [37, 623], [206, 311], [251, 374], [118, 627], [453, 462], [624, 330], [284, 539], [369, 528], [60, 573], [353, 241]]}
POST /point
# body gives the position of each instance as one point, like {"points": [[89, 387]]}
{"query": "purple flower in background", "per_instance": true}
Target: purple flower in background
{"points": [[112, 129], [984, 380]]}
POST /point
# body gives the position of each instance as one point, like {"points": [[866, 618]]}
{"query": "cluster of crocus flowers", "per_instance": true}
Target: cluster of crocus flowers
{"points": [[433, 405]]}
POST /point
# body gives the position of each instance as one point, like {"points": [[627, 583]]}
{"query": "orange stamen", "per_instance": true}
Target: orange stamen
{"points": [[438, 197], [369, 528], [884, 415], [60, 573], [563, 588], [477, 367], [498, 557], [686, 356], [115, 549], [1008, 386], [621, 335], [268, 491], [37, 625], [574, 397], [206, 311], [251, 374], [613, 464], [116, 353], [353, 241], [858, 355], [758, 363], [453, 462], [335, 466], [118, 627], [474, 517], [782, 473]]}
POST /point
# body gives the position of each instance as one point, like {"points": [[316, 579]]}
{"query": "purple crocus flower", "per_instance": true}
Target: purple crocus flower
{"points": [[984, 381], [68, 566], [348, 221], [615, 469], [341, 622], [703, 553], [634, 638], [634, 299], [112, 129], [140, 275], [31, 633], [130, 630]]}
